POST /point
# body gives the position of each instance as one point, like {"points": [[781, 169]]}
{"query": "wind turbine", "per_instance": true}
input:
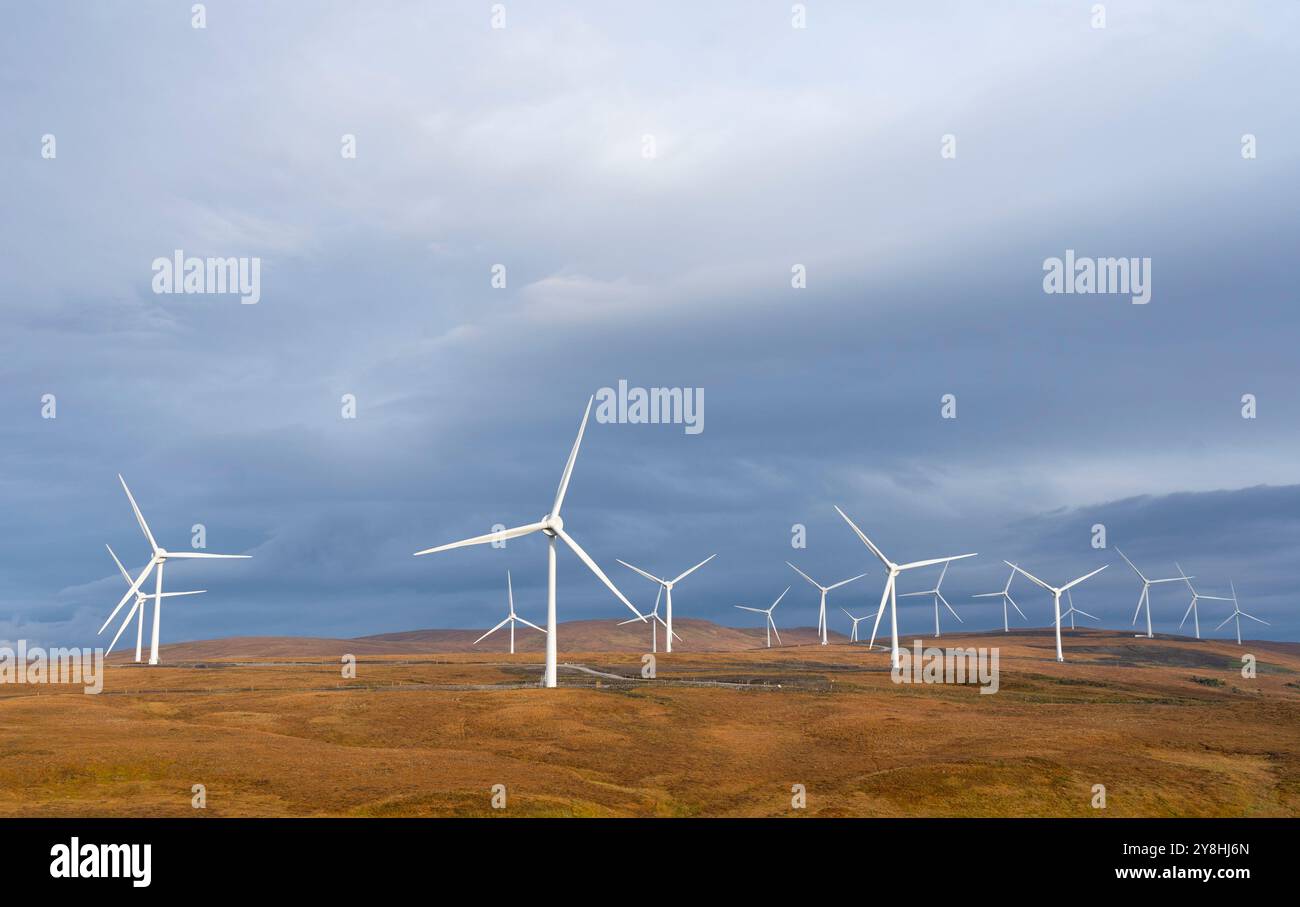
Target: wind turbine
{"points": [[140, 599], [655, 622], [1238, 614], [159, 560], [856, 620], [938, 597], [1005, 594], [667, 585], [1191, 608], [821, 613], [552, 526], [511, 618], [890, 595], [1073, 611], [1056, 596], [1145, 597], [771, 624]]}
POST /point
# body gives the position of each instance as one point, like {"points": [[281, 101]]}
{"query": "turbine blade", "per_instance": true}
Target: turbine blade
{"points": [[510, 594], [804, 575], [862, 535], [174, 594], [649, 576], [568, 467], [126, 576], [592, 565], [138, 515], [1187, 614], [1029, 576], [912, 594], [126, 622], [493, 630], [748, 608], [1131, 564], [935, 560], [1086, 614], [693, 569], [1017, 607], [1226, 619], [845, 582], [484, 539], [778, 600], [197, 554], [533, 625], [775, 630], [988, 595], [1255, 619], [144, 574], [1076, 582]]}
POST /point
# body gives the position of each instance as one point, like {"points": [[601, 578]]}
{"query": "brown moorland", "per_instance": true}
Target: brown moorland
{"points": [[271, 728]]}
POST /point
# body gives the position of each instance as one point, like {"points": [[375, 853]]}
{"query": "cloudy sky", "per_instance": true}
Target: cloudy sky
{"points": [[525, 146]]}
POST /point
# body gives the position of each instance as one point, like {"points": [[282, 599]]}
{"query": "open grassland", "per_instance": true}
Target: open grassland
{"points": [[1169, 726]]}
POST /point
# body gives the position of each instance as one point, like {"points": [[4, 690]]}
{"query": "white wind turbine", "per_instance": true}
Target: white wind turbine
{"points": [[821, 613], [1056, 596], [1005, 595], [655, 622], [853, 637], [771, 624], [890, 595], [938, 597], [1238, 614], [1145, 596], [552, 526], [511, 618], [159, 560], [666, 585], [1191, 608], [140, 599], [1072, 610]]}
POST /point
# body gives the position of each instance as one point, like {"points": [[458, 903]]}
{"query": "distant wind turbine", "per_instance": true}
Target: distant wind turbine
{"points": [[1005, 595], [856, 621], [771, 624], [1056, 596], [821, 613], [1192, 610], [1145, 596], [511, 618], [890, 585], [1238, 614], [938, 597], [1073, 611], [159, 559], [655, 622], [666, 585], [552, 526], [139, 606]]}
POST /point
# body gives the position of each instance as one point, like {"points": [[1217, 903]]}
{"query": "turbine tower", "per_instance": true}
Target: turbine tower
{"points": [[938, 597], [1238, 614], [890, 585], [655, 622], [666, 585], [552, 526], [1073, 611], [821, 613], [1056, 596], [159, 560], [1005, 595], [856, 620], [1145, 596], [140, 599], [1191, 608], [771, 624], [511, 618]]}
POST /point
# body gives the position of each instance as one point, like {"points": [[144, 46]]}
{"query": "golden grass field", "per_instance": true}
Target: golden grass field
{"points": [[1168, 725]]}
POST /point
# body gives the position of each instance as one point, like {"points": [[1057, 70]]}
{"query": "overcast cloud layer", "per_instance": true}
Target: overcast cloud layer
{"points": [[523, 146]]}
